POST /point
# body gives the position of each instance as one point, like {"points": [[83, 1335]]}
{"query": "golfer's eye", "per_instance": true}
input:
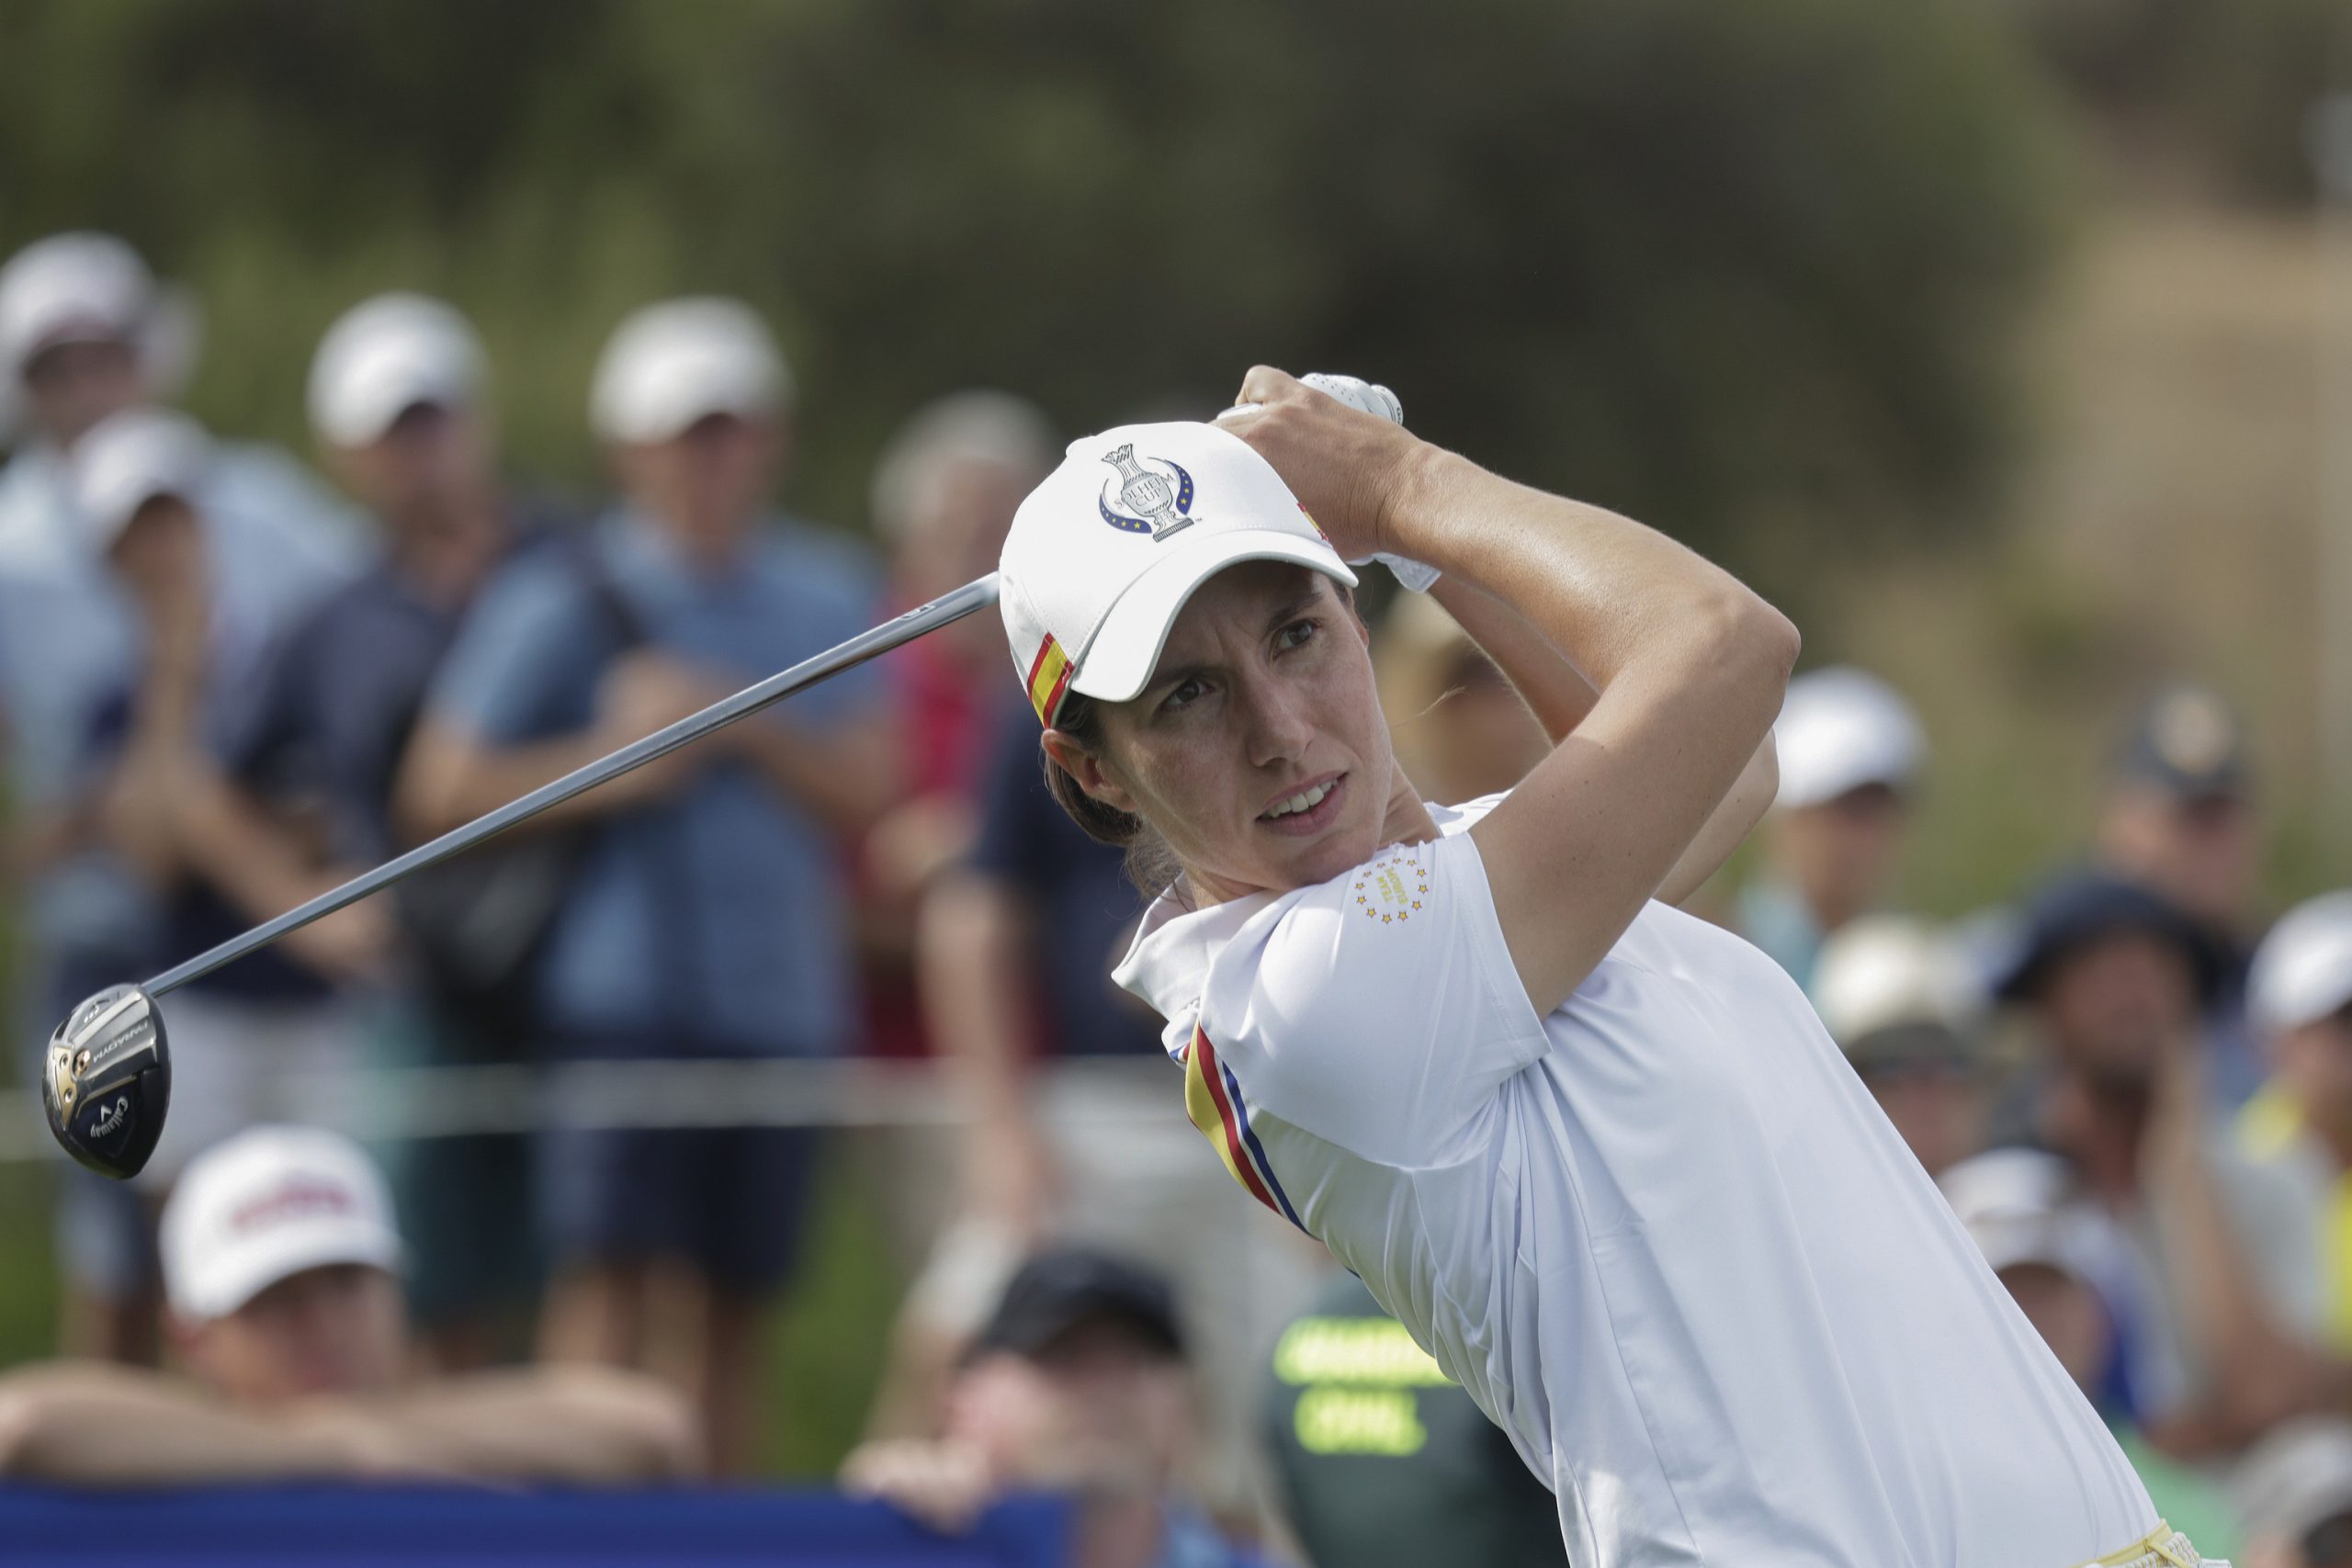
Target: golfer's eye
{"points": [[1295, 635], [1183, 694]]}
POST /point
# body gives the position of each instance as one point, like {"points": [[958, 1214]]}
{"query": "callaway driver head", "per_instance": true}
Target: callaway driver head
{"points": [[106, 1081]]}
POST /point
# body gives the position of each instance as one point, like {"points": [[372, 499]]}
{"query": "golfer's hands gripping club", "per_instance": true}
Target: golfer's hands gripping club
{"points": [[1340, 445]]}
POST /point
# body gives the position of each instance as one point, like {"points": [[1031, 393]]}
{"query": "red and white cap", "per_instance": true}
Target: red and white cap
{"points": [[266, 1205], [1105, 555]]}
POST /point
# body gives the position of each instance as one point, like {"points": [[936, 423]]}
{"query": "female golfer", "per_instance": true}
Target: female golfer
{"points": [[1598, 1156]]}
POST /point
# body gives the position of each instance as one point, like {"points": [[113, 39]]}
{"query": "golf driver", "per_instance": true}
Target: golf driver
{"points": [[106, 1080]]}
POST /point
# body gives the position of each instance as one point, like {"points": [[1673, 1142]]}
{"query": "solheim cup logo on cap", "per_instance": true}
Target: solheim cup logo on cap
{"points": [[1165, 506]]}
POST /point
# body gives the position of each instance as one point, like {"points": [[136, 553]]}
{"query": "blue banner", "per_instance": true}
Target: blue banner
{"points": [[381, 1526]]}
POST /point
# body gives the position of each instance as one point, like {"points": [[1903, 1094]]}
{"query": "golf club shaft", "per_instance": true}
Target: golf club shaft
{"points": [[915, 623]]}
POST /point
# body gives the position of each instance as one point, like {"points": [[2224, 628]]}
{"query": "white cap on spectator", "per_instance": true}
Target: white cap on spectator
{"points": [[267, 1204], [128, 459], [2296, 1479], [977, 426], [85, 288], [1885, 972], [2020, 1207], [2303, 971], [71, 289], [680, 361], [385, 355], [1841, 729]]}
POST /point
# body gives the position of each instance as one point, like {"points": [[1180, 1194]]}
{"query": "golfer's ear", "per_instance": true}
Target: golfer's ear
{"points": [[1087, 771]]}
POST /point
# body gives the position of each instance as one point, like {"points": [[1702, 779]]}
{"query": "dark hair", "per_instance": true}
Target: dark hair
{"points": [[1151, 864]]}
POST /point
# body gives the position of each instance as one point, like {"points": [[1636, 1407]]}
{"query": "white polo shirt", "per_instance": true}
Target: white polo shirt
{"points": [[1662, 1237]]}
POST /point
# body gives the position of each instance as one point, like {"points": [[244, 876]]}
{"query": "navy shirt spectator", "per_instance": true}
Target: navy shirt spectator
{"points": [[1078, 896], [397, 398]]}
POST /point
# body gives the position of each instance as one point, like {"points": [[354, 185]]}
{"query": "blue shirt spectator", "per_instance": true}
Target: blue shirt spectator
{"points": [[717, 911]]}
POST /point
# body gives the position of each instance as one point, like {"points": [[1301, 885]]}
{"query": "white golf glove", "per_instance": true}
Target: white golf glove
{"points": [[1374, 399]]}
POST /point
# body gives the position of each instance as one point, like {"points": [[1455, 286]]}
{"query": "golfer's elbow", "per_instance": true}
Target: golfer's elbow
{"points": [[1746, 645]]}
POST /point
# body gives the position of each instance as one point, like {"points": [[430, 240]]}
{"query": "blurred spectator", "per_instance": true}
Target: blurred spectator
{"points": [[2298, 998], [2178, 819], [1897, 999], [280, 1261], [397, 403], [1075, 1132], [1850, 747], [1461, 732], [217, 838], [2109, 977], [706, 920], [945, 492], [1383, 1462], [1077, 1383], [2295, 1493], [2068, 1267], [84, 333]]}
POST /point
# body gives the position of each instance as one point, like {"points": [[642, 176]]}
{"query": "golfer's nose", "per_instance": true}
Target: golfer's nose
{"points": [[1280, 722]]}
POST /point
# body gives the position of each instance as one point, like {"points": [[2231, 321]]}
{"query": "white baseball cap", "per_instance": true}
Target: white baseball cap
{"points": [[2296, 1479], [679, 361], [268, 1205], [1841, 729], [384, 357], [70, 289], [129, 459], [1889, 972], [2021, 1206], [978, 426], [2303, 971], [1104, 554]]}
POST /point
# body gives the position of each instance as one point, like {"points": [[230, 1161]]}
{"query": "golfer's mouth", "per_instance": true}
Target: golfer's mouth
{"points": [[1309, 809]]}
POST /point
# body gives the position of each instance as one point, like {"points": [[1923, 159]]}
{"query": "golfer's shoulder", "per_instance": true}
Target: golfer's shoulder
{"points": [[1376, 953]]}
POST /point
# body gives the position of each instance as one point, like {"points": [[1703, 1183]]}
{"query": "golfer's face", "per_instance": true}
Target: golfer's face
{"points": [[1258, 751]]}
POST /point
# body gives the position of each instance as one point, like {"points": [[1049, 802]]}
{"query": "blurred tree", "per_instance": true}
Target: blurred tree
{"points": [[1748, 269]]}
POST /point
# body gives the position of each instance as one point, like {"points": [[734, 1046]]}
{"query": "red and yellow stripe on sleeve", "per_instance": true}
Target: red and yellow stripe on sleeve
{"points": [[1213, 1099]]}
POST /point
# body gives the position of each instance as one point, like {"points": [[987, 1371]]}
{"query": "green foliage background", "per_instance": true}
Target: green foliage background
{"points": [[1746, 268]]}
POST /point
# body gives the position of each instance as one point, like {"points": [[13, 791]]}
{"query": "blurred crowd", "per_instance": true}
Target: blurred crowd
{"points": [[230, 679]]}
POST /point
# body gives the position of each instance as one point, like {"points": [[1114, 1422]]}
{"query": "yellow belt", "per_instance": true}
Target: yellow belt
{"points": [[2163, 1547]]}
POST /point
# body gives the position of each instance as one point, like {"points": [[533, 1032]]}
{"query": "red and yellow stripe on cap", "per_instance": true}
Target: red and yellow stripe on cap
{"points": [[1049, 678]]}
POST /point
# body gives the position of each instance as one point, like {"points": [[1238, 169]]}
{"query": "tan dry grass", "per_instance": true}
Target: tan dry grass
{"points": [[2164, 526]]}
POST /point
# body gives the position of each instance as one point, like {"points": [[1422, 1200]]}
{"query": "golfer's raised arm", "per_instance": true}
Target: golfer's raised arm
{"points": [[1560, 698], [1689, 665]]}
